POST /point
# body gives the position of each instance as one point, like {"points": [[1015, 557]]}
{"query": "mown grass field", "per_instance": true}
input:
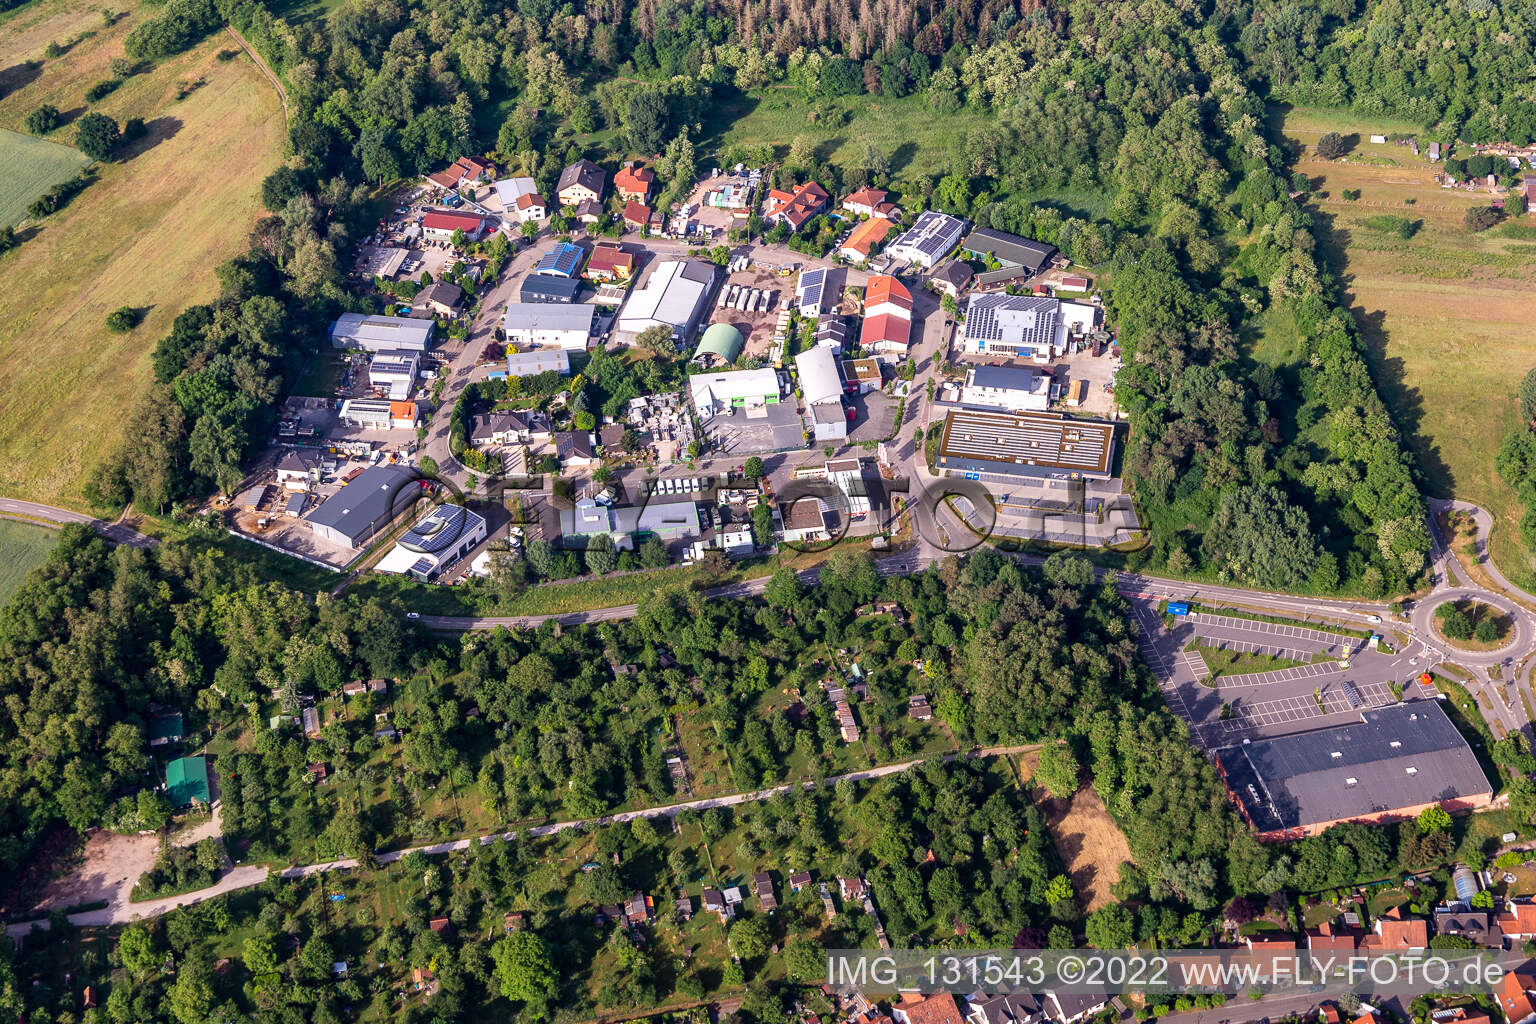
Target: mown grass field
{"points": [[32, 167], [1446, 314], [23, 547], [148, 234], [906, 130]]}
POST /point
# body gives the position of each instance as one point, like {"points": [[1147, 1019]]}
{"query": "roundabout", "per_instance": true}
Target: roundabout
{"points": [[1429, 621]]}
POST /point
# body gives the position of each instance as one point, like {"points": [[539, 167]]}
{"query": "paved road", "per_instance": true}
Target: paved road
{"points": [[1504, 699], [115, 532]]}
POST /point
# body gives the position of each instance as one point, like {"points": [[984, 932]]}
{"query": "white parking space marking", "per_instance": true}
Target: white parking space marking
{"points": [[1276, 629], [1284, 675]]}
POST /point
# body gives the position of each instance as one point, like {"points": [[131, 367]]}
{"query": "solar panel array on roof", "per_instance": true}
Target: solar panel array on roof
{"points": [[808, 295], [931, 236], [998, 321], [561, 261], [443, 527], [1020, 443]]}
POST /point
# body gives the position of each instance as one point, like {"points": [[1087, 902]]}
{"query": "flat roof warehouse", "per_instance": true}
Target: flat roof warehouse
{"points": [[1025, 444], [1391, 764]]}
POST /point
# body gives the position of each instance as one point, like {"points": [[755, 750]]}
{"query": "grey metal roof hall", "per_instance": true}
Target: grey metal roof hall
{"points": [[354, 514], [1009, 249], [546, 288], [547, 316], [1399, 757], [379, 333]]}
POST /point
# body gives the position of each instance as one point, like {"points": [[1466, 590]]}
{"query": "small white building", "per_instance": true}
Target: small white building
{"points": [[721, 392], [379, 414], [820, 381], [394, 372], [444, 536], [811, 297], [1017, 388], [550, 325], [520, 198], [298, 470], [805, 520], [821, 385]]}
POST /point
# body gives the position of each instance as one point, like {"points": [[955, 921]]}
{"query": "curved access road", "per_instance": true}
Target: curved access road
{"points": [[49, 515], [1484, 523]]}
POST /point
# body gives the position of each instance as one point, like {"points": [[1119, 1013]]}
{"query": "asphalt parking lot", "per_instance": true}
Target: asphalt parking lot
{"points": [[876, 416], [1295, 699], [740, 433]]}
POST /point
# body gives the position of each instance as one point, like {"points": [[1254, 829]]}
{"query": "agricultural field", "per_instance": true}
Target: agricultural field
{"points": [[33, 166], [1445, 312], [23, 547], [147, 234]]}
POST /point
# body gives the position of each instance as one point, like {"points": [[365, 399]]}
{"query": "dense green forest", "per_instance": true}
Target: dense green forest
{"points": [[532, 726], [98, 634]]}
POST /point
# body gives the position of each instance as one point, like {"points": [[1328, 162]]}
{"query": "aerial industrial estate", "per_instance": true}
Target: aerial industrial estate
{"points": [[605, 506]]}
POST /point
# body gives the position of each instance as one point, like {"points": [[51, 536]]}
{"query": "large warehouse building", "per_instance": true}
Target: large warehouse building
{"points": [[715, 393], [1392, 764], [674, 296], [1007, 447], [365, 507], [381, 333], [1035, 327]]}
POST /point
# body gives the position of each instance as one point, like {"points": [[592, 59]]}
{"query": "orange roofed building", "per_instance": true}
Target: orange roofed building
{"points": [[1393, 930], [403, 414], [1515, 995], [861, 243], [938, 1008], [887, 317], [633, 184], [1518, 922], [867, 202], [796, 207]]}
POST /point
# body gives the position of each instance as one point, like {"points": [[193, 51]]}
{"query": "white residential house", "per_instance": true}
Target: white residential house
{"points": [[549, 324]]}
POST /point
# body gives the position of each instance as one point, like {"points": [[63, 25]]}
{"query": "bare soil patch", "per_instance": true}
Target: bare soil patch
{"points": [[109, 866], [1087, 839]]}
